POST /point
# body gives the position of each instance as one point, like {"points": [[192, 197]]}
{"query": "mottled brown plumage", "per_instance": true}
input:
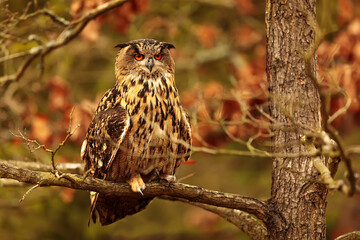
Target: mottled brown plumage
{"points": [[139, 132]]}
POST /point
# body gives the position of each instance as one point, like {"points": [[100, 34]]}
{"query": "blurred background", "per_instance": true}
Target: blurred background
{"points": [[220, 72]]}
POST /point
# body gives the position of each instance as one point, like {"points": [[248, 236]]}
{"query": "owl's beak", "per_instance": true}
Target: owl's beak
{"points": [[150, 64]]}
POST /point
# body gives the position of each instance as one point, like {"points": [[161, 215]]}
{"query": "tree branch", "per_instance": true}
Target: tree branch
{"points": [[75, 168], [68, 34], [325, 119], [244, 221], [179, 190], [10, 183], [349, 236]]}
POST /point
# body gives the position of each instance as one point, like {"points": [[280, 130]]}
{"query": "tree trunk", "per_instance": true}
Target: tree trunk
{"points": [[295, 108]]}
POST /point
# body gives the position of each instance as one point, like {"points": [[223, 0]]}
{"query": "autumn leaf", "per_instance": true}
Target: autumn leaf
{"points": [[59, 92], [41, 130], [81, 117], [91, 32], [345, 10], [67, 195], [201, 219], [207, 35], [246, 36], [120, 18], [245, 6]]}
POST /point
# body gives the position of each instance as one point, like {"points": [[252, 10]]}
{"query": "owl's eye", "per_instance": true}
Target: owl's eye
{"points": [[139, 57], [158, 56]]}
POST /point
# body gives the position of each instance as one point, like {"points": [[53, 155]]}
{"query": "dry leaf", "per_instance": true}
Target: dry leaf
{"points": [[201, 219], [58, 94], [40, 129], [245, 6], [67, 195], [207, 35], [91, 32]]}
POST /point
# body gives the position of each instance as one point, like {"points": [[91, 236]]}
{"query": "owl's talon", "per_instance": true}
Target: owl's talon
{"points": [[169, 178], [136, 184], [157, 174]]}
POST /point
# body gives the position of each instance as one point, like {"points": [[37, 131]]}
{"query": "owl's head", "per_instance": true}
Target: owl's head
{"points": [[145, 57]]}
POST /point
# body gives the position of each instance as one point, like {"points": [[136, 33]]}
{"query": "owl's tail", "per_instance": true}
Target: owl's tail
{"points": [[112, 209]]}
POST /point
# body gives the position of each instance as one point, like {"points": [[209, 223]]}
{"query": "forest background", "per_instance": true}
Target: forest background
{"points": [[220, 73]]}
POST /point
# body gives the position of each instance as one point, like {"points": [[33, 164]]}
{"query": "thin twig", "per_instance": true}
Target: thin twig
{"points": [[53, 152], [68, 34], [68, 135], [28, 192], [234, 152], [340, 111], [319, 36]]}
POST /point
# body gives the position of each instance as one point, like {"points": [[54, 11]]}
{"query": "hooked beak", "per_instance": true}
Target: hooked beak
{"points": [[150, 64]]}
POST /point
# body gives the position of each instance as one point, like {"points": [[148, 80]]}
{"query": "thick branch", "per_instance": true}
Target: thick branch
{"points": [[244, 221], [349, 236], [179, 190]]}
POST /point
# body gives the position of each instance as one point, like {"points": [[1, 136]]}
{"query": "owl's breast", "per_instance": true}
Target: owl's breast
{"points": [[155, 115], [150, 131]]}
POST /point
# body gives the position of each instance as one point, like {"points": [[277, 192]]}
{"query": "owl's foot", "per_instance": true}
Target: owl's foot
{"points": [[136, 183], [169, 178]]}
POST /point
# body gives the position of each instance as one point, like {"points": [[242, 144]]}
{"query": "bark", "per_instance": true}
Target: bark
{"points": [[294, 101]]}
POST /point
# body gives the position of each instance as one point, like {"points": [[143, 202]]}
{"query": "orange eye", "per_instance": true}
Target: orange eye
{"points": [[139, 57], [158, 56]]}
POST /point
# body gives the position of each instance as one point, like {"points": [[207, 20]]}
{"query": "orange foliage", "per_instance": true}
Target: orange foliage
{"points": [[41, 130], [202, 220], [67, 194], [345, 7], [207, 35], [91, 32], [81, 117], [58, 94], [120, 18], [157, 24], [245, 36], [339, 62], [52, 129], [245, 6]]}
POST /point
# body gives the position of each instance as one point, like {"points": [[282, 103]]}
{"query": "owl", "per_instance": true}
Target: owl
{"points": [[139, 132]]}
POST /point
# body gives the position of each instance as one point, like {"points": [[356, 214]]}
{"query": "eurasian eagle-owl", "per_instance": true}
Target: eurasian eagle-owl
{"points": [[139, 132]]}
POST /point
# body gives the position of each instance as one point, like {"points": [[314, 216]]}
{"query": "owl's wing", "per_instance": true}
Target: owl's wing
{"points": [[105, 135], [184, 148]]}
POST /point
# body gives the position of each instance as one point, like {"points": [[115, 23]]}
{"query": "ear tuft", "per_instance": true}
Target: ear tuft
{"points": [[168, 45], [122, 45]]}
